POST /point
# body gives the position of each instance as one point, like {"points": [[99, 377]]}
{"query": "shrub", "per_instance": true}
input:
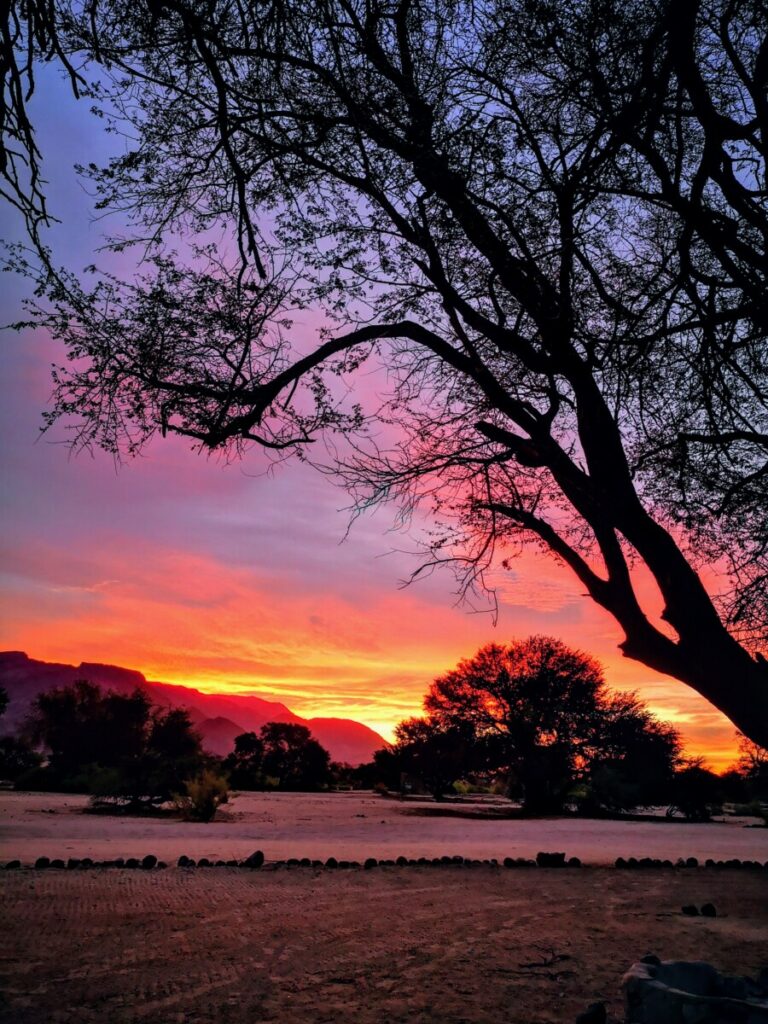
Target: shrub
{"points": [[204, 795]]}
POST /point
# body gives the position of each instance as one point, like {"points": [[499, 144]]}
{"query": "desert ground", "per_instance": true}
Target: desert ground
{"points": [[353, 826], [432, 945]]}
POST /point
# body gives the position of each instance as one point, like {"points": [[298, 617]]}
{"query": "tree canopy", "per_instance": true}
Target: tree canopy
{"points": [[546, 221], [115, 745], [283, 755], [542, 714]]}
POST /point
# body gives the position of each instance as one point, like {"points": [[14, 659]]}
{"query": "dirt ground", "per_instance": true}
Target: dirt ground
{"points": [[427, 945], [352, 826]]}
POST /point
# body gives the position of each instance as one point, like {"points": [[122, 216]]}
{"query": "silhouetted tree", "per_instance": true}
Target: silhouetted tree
{"points": [[633, 757], [433, 754], [16, 755], [244, 765], [696, 792], [547, 221], [293, 757], [116, 745], [753, 766], [542, 714]]}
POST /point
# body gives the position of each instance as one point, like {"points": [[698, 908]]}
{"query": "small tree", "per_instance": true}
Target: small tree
{"points": [[696, 792], [245, 764], [293, 757], [434, 754]]}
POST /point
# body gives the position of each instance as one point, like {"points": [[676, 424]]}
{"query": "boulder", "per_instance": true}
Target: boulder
{"points": [[680, 992], [149, 862], [256, 860], [550, 860]]}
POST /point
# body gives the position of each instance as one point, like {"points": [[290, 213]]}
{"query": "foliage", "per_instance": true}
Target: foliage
{"points": [[433, 754], [17, 758], [203, 795], [116, 746], [244, 764], [546, 221], [696, 792], [541, 713], [284, 755], [293, 757], [753, 766]]}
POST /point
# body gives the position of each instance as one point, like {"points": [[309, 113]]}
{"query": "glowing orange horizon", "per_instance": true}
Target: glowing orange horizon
{"points": [[192, 621]]}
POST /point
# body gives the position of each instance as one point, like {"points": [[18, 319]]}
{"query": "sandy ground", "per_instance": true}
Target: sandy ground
{"points": [[349, 826], [431, 946]]}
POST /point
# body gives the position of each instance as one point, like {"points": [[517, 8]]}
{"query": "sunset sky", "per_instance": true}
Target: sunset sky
{"points": [[228, 578]]}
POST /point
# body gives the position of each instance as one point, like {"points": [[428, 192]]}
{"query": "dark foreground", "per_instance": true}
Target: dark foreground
{"points": [[230, 946]]}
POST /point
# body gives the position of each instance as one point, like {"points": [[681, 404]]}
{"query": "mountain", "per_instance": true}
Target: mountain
{"points": [[218, 717]]}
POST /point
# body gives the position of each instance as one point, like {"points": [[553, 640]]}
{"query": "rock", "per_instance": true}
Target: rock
{"points": [[674, 992], [119, 862], [183, 861], [509, 862], [402, 862], [344, 864], [317, 863], [689, 910], [574, 862], [550, 860], [293, 862], [594, 1014], [620, 862], [370, 863], [692, 862], [220, 864], [131, 863], [305, 862], [42, 863], [232, 863], [57, 862], [709, 910], [632, 862], [161, 864], [203, 862], [73, 863], [149, 862], [256, 860], [86, 862], [331, 863], [651, 958], [13, 865]]}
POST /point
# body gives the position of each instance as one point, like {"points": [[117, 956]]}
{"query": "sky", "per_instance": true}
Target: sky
{"points": [[231, 577]]}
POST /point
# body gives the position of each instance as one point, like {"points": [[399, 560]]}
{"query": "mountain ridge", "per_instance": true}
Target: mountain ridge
{"points": [[219, 717]]}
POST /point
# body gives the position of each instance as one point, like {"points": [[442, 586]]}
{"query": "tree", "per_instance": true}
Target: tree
{"points": [[293, 757], [633, 762], [547, 221], [697, 792], [753, 766], [117, 746], [435, 754], [545, 716], [244, 764], [16, 755]]}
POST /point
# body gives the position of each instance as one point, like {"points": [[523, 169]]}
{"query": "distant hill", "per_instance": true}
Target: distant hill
{"points": [[219, 717]]}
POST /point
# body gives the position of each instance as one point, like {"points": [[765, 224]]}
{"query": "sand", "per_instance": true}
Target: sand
{"points": [[427, 945], [351, 826]]}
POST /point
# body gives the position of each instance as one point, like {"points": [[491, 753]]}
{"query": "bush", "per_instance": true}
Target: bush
{"points": [[203, 797]]}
